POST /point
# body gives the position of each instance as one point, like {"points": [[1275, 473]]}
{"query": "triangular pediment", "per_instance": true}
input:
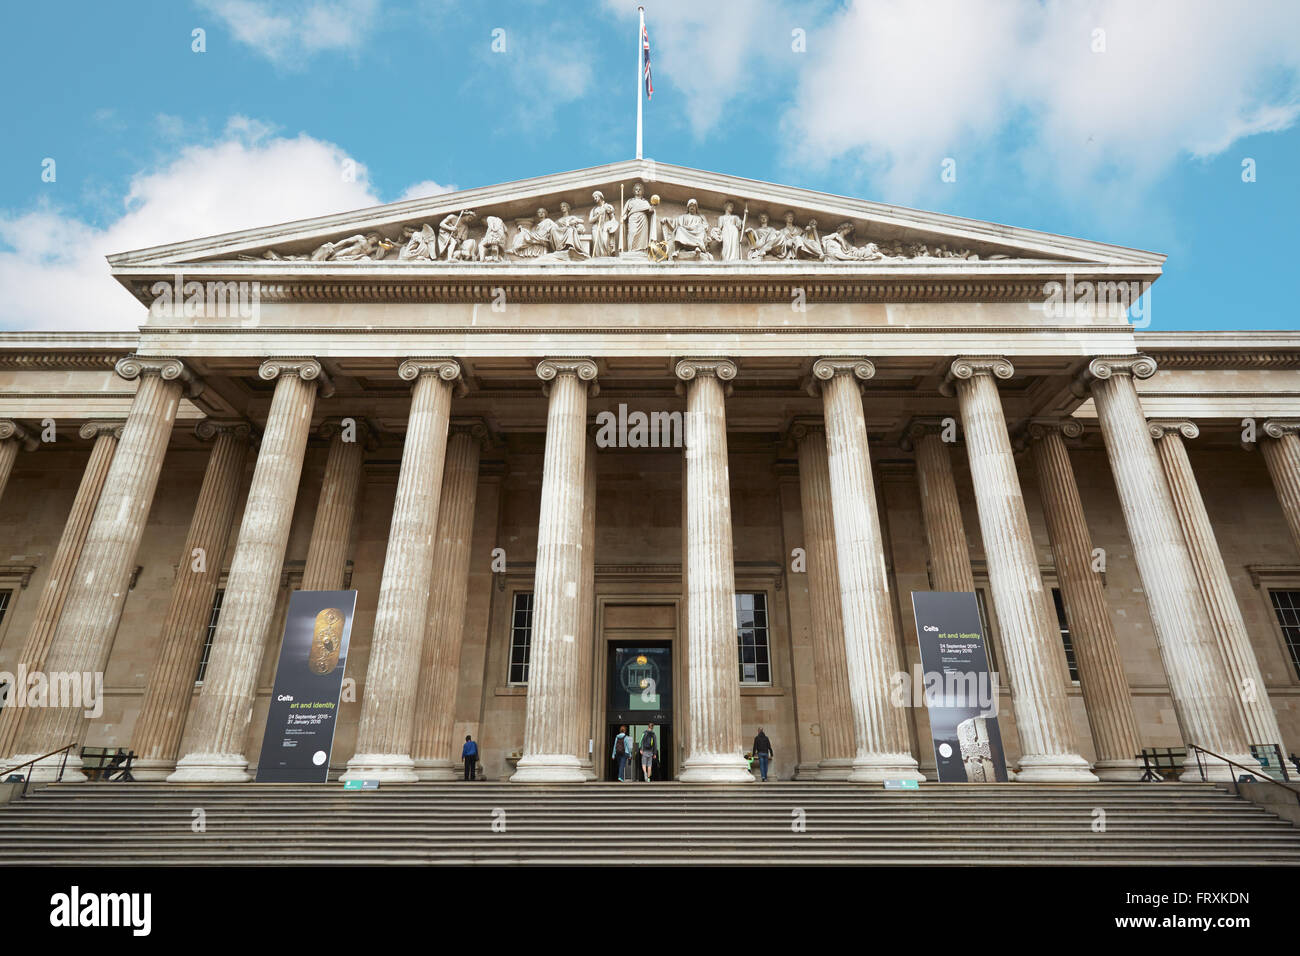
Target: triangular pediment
{"points": [[501, 225]]}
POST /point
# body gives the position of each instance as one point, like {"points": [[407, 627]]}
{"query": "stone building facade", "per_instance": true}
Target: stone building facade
{"points": [[651, 441]]}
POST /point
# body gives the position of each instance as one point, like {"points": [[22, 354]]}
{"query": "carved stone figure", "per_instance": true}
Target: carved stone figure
{"points": [[569, 232], [353, 249], [492, 247], [638, 221], [604, 227], [453, 236], [727, 232], [688, 232], [785, 246], [809, 244], [837, 248], [533, 239], [420, 244], [761, 237]]}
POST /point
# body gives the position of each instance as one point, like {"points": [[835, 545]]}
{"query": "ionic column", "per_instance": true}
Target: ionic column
{"points": [[62, 566], [1252, 700], [587, 610], [213, 743], [12, 437], [1031, 640], [1106, 694], [331, 531], [1198, 682], [551, 718], [945, 535], [387, 724], [84, 635], [156, 738], [433, 751], [834, 707], [870, 643], [1280, 446], [714, 747]]}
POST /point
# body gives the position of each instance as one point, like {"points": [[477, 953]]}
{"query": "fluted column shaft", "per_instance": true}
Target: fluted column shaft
{"points": [[551, 712], [1198, 683], [870, 643], [432, 748], [387, 724], [62, 566], [945, 535], [331, 532], [834, 708], [156, 738], [1031, 640], [1281, 449], [12, 437], [213, 743], [1251, 697], [715, 749], [1106, 694], [587, 609], [93, 606]]}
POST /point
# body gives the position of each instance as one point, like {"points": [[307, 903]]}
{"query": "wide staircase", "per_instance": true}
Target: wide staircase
{"points": [[787, 823]]}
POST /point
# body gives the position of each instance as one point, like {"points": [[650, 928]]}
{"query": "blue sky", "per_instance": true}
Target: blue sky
{"points": [[1123, 122]]}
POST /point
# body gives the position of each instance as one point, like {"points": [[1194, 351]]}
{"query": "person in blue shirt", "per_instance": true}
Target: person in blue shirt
{"points": [[621, 755], [469, 754]]}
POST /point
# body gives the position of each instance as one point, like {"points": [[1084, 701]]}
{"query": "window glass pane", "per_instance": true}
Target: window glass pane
{"points": [[752, 643], [1286, 605], [1059, 605], [521, 633]]}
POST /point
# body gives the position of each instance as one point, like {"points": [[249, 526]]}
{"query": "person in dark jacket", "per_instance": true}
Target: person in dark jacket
{"points": [[622, 750], [469, 754], [649, 751], [763, 751]]}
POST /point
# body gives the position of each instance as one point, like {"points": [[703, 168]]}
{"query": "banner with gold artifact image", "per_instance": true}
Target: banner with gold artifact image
{"points": [[959, 688], [308, 680]]}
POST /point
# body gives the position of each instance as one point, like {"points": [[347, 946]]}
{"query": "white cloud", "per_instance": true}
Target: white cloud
{"points": [[898, 85], [424, 189], [289, 32], [52, 265]]}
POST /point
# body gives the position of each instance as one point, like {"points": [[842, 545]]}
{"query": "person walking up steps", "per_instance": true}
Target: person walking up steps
{"points": [[622, 750], [649, 751], [763, 751]]}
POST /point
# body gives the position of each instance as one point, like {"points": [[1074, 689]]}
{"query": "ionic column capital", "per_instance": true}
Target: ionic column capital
{"points": [[825, 369], [1277, 427], [549, 369], [804, 426], [308, 369], [475, 428], [1160, 427], [11, 429], [96, 429], [1037, 429], [919, 427], [1106, 366], [168, 369], [210, 429], [366, 433], [966, 367], [721, 368]]}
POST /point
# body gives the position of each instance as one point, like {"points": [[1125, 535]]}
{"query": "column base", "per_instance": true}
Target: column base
{"points": [[387, 768], [47, 770], [835, 768], [876, 768], [436, 770], [154, 770], [716, 768], [805, 771], [210, 768], [1216, 771], [1054, 768], [548, 768], [1125, 770]]}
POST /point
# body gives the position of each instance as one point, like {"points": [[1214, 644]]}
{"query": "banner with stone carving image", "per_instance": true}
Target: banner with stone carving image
{"points": [[959, 689], [304, 704]]}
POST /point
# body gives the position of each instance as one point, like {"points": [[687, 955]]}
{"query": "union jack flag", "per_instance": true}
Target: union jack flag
{"points": [[645, 51]]}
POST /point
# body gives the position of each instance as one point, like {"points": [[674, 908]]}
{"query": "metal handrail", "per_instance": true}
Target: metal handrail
{"points": [[1256, 772], [27, 778]]}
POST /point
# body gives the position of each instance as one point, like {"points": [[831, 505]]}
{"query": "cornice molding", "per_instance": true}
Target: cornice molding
{"points": [[60, 361]]}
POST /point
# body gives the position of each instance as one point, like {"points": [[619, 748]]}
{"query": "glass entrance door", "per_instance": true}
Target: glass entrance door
{"points": [[638, 693]]}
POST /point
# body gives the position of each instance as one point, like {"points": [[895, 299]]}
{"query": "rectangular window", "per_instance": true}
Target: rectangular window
{"points": [[5, 597], [521, 634], [1059, 603], [752, 638], [1286, 605], [213, 615]]}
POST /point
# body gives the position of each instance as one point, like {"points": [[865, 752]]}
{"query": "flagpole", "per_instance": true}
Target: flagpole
{"points": [[640, 77]]}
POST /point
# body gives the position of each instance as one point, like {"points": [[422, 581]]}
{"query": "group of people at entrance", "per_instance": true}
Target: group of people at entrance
{"points": [[648, 748]]}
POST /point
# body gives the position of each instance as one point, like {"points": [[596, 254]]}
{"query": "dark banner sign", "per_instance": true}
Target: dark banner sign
{"points": [[301, 719], [960, 692]]}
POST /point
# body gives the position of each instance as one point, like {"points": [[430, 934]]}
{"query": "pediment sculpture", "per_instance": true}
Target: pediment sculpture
{"points": [[636, 230]]}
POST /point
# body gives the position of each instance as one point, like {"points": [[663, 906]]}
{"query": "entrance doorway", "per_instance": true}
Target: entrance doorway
{"points": [[639, 692]]}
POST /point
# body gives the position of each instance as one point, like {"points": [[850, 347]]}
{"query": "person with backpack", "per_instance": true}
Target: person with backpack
{"points": [[649, 751], [469, 754], [622, 750], [763, 751]]}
